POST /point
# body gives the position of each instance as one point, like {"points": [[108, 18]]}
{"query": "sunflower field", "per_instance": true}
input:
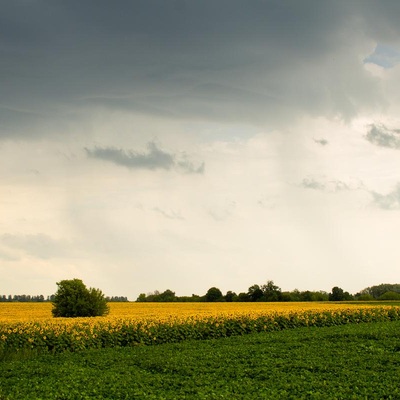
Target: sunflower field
{"points": [[30, 326]]}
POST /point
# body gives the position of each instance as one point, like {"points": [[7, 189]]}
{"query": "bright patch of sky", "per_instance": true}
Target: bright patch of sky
{"points": [[384, 55]]}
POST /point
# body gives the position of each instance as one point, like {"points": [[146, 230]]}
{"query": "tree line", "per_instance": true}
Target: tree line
{"points": [[272, 292], [265, 292], [23, 298]]}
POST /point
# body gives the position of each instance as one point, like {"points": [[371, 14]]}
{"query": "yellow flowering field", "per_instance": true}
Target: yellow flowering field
{"points": [[31, 325], [18, 312]]}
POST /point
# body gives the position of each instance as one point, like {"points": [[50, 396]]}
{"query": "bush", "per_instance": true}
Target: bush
{"points": [[390, 296], [74, 299]]}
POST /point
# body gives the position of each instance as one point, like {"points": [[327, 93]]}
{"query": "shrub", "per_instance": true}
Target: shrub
{"points": [[74, 299], [390, 296]]}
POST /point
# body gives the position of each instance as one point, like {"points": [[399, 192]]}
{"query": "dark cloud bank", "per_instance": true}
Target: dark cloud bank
{"points": [[253, 61]]}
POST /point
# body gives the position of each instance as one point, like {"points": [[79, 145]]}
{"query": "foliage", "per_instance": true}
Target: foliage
{"points": [[268, 292], [338, 294], [339, 362], [214, 294], [255, 293], [166, 296], [390, 296], [378, 290], [117, 299], [271, 292], [74, 299], [230, 296], [22, 298]]}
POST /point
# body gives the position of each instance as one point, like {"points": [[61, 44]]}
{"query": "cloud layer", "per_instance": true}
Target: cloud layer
{"points": [[188, 144], [260, 63]]}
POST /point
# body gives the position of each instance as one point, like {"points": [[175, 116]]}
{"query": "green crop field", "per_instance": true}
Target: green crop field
{"points": [[356, 361]]}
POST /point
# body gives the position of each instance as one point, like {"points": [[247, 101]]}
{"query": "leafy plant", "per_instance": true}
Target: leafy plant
{"points": [[74, 299]]}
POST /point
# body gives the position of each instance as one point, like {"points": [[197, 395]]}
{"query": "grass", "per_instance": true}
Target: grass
{"points": [[356, 361]]}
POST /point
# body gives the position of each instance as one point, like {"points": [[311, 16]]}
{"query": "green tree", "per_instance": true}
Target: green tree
{"points": [[378, 290], [74, 299], [390, 296], [167, 296], [338, 294], [271, 291], [255, 293], [141, 297], [230, 296], [214, 294], [243, 297]]}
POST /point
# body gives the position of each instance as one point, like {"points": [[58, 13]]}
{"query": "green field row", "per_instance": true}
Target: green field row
{"points": [[355, 361]]}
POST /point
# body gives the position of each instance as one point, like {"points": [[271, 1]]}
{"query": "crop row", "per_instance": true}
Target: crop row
{"points": [[90, 333]]}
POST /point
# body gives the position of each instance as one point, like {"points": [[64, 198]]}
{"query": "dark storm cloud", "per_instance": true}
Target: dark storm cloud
{"points": [[384, 137], [155, 158], [254, 61], [390, 201]]}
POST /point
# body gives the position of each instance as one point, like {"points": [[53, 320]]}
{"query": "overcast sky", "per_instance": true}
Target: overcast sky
{"points": [[183, 144]]}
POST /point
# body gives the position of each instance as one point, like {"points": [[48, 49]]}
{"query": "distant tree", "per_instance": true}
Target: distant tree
{"points": [[230, 296], [390, 296], [213, 294], [378, 290], [255, 293], [306, 296], [167, 296], [294, 295], [338, 294], [271, 291], [74, 299], [117, 299], [141, 297], [186, 299], [321, 296], [286, 296], [243, 297], [364, 297]]}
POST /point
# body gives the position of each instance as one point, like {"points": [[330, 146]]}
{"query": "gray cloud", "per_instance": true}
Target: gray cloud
{"points": [[390, 201], [260, 61], [311, 183], [333, 185], [384, 137], [39, 246], [169, 215], [322, 142], [6, 256], [189, 167], [154, 159]]}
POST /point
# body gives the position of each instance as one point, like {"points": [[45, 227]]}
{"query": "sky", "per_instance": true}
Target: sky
{"points": [[184, 144]]}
